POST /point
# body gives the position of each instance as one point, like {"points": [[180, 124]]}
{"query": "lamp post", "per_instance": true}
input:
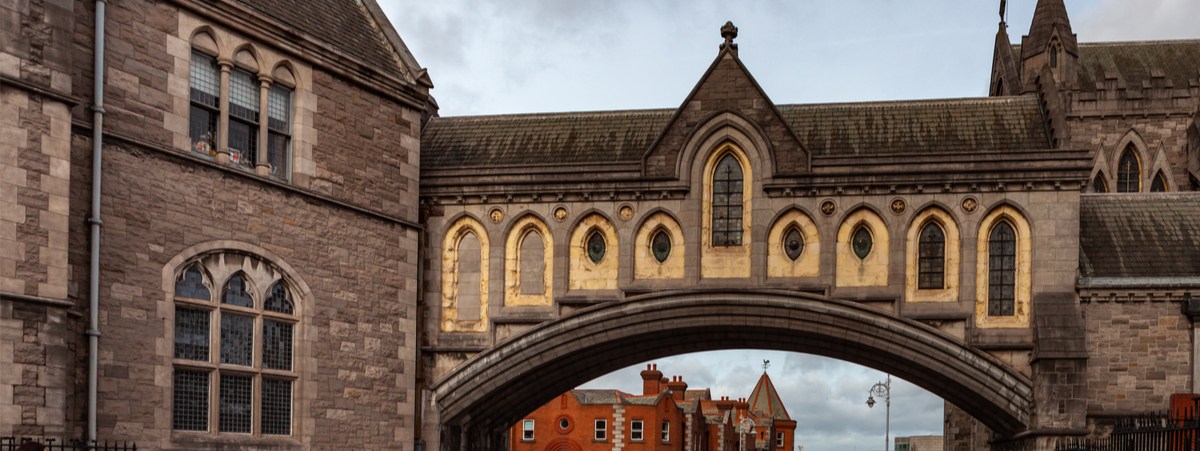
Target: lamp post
{"points": [[884, 390]]}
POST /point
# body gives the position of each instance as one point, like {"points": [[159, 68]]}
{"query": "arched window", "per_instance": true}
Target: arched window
{"points": [[1129, 172], [532, 264], [1002, 270], [931, 261], [727, 202], [862, 242], [999, 86], [1159, 185], [1098, 185], [464, 306], [254, 384], [469, 278], [1053, 56], [793, 243], [596, 246], [205, 111]]}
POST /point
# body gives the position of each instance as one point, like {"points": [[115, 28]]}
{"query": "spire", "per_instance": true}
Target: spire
{"points": [[1050, 18], [764, 400]]}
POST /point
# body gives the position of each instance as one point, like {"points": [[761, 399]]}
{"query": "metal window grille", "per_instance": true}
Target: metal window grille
{"points": [[1002, 270], [1129, 173], [243, 143], [190, 405], [727, 203], [601, 429], [635, 430], [191, 334], [191, 285], [277, 345], [235, 292], [276, 406], [527, 430], [237, 339], [931, 264], [235, 404], [277, 300]]}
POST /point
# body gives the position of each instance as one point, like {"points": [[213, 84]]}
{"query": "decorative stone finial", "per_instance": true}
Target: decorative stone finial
{"points": [[728, 32]]}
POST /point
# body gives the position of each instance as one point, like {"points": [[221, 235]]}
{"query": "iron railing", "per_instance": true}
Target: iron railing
{"points": [[51, 444], [1175, 431]]}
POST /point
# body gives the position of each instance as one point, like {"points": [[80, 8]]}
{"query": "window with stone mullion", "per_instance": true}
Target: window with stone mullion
{"points": [[205, 112], [279, 130]]}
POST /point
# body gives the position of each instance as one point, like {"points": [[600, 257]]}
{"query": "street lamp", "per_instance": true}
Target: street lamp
{"points": [[884, 390]]}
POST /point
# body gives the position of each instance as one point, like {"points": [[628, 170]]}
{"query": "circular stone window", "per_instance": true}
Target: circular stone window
{"points": [[564, 424]]}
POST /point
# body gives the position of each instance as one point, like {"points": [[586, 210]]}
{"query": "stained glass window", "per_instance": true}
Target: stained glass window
{"points": [[235, 292], [277, 300], [727, 202], [1098, 185], [276, 406], [1129, 173], [660, 246], [237, 339], [1002, 270], [190, 405], [277, 345], [1160, 183], [931, 258], [235, 404], [596, 247], [793, 244], [191, 333], [191, 285], [862, 242]]}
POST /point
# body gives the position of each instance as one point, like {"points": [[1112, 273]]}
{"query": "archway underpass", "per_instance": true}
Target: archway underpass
{"points": [[477, 401]]}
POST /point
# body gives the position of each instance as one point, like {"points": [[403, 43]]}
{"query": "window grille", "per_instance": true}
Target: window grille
{"points": [[279, 130], [243, 119], [190, 409], [192, 285], [276, 406], [1002, 270], [235, 404], [191, 333], [931, 265], [237, 339], [727, 202], [277, 300]]}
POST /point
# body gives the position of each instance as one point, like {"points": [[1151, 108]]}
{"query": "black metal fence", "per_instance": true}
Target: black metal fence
{"points": [[1179, 431], [51, 444]]}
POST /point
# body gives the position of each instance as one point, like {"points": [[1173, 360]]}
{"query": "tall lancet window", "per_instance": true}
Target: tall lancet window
{"points": [[931, 263], [1002, 270], [1129, 172], [727, 202]]}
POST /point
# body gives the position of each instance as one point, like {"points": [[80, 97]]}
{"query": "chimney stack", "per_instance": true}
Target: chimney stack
{"points": [[652, 380], [677, 387]]}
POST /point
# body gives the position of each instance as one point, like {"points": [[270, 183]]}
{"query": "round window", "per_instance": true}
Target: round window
{"points": [[564, 424]]}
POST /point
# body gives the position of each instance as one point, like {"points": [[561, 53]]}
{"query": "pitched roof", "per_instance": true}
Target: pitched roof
{"points": [[343, 24], [947, 125], [1139, 235], [1136, 62], [765, 400], [592, 397]]}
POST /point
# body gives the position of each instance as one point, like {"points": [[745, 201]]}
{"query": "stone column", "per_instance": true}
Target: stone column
{"points": [[223, 124], [262, 166]]}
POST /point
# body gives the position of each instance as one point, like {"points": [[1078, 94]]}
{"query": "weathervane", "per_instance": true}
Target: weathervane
{"points": [[766, 363]]}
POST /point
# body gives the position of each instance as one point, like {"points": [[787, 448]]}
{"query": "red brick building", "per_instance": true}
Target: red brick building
{"points": [[666, 416]]}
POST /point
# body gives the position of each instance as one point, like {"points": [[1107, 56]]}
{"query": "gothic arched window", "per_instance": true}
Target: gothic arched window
{"points": [[1159, 185], [862, 242], [596, 246], [1002, 270], [1098, 185], [1129, 172], [1053, 56], [793, 244], [931, 260], [727, 202]]}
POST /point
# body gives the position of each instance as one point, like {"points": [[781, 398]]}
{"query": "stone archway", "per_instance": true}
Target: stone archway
{"points": [[495, 388]]}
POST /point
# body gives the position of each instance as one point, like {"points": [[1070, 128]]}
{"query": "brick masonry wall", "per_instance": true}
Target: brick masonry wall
{"points": [[1141, 353]]}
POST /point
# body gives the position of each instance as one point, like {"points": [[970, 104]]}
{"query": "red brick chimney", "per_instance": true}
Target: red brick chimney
{"points": [[652, 380], [677, 387], [724, 404]]}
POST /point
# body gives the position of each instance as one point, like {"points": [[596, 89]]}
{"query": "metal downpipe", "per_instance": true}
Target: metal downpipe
{"points": [[93, 331]]}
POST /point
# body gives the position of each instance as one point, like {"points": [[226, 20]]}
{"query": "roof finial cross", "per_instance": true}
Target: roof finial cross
{"points": [[766, 363], [728, 32]]}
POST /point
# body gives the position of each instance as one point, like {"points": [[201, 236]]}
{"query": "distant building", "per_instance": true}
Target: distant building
{"points": [[666, 416], [919, 443]]}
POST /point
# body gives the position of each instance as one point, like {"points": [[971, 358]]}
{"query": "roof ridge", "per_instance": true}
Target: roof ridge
{"points": [[1024, 98], [564, 114], [1155, 41]]}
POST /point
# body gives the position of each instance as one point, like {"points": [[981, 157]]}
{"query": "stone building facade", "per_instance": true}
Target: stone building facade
{"points": [[295, 252]]}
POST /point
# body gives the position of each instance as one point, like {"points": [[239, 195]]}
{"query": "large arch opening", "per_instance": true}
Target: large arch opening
{"points": [[488, 393]]}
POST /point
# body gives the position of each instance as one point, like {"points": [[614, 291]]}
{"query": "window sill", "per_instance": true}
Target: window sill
{"points": [[192, 440]]}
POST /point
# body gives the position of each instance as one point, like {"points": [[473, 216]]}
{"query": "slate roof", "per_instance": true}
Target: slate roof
{"points": [[950, 125], [593, 397], [1139, 235], [1134, 62], [343, 24], [765, 401]]}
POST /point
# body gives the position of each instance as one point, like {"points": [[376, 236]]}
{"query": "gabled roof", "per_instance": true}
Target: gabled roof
{"points": [[765, 401], [1139, 235], [346, 25], [593, 397], [1137, 61]]}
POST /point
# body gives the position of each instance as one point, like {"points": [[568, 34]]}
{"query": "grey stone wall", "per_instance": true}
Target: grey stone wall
{"points": [[1141, 353]]}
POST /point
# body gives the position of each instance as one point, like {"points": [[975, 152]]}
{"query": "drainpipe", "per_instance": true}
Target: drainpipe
{"points": [[419, 383], [93, 331]]}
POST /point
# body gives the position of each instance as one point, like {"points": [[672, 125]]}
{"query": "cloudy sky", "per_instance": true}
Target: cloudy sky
{"points": [[497, 57]]}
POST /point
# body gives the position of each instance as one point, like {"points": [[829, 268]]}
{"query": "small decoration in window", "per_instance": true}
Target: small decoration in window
{"points": [[596, 247], [898, 206], [661, 246], [828, 207], [862, 242], [496, 215], [793, 244], [560, 214], [969, 205], [626, 212]]}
